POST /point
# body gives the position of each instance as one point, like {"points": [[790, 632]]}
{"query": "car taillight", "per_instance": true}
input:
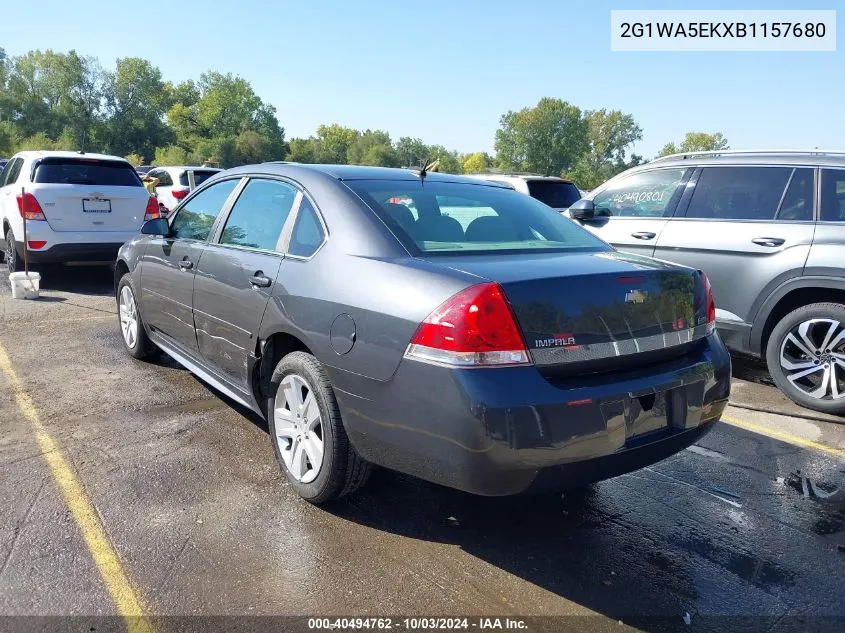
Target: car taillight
{"points": [[36, 244], [711, 304], [179, 193], [474, 328], [152, 209], [29, 204]]}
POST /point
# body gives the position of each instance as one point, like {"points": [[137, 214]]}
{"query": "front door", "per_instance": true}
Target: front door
{"points": [[170, 263], [747, 228], [236, 275], [632, 212]]}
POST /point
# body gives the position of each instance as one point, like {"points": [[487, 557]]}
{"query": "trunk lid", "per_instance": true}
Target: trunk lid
{"points": [[89, 194], [597, 311]]}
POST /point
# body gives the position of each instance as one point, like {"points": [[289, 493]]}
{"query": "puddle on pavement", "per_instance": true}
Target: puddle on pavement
{"points": [[828, 499]]}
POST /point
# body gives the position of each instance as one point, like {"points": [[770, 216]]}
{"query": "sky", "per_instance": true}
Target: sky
{"points": [[446, 72]]}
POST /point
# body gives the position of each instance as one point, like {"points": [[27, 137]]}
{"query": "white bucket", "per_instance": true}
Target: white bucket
{"points": [[24, 287]]}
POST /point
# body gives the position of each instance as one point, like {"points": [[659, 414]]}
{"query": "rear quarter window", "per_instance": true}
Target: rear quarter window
{"points": [[86, 171], [200, 176], [556, 194]]}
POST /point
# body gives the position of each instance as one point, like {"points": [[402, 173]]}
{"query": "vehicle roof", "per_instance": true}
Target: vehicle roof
{"points": [[355, 172], [186, 167], [32, 154], [744, 157], [524, 177]]}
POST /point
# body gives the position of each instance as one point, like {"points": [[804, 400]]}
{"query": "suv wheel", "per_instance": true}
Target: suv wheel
{"points": [[806, 356], [11, 254], [307, 432]]}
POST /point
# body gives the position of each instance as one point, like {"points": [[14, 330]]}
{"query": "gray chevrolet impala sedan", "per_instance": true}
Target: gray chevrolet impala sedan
{"points": [[440, 326]]}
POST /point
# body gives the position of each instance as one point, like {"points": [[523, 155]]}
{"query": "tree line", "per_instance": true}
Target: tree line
{"points": [[54, 100]]}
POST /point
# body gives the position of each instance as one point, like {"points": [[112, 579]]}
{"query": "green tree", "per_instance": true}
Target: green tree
{"points": [[135, 100], [373, 147], [609, 134], [476, 163], [449, 162], [333, 143], [696, 142], [173, 155], [412, 152], [548, 138], [302, 150]]}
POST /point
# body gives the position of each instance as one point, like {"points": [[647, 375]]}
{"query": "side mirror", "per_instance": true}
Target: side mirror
{"points": [[159, 226], [582, 210]]}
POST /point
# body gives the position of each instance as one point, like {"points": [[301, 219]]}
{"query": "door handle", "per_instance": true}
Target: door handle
{"points": [[186, 264], [644, 235], [259, 280], [771, 242]]}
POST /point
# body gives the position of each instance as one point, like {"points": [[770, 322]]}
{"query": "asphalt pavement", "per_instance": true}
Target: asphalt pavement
{"points": [[126, 481]]}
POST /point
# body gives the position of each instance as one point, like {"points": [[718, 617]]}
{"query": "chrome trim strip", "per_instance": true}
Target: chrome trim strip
{"points": [[615, 349]]}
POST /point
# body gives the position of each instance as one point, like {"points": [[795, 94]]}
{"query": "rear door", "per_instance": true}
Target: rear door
{"points": [[631, 212], [169, 265], [826, 255], [236, 274], [747, 227], [8, 190], [89, 194]]}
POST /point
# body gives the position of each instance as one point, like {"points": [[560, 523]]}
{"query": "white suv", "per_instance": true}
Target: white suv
{"points": [[558, 193], [173, 184], [78, 207]]}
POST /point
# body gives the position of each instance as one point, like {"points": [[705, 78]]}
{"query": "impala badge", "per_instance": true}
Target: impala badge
{"points": [[636, 296]]}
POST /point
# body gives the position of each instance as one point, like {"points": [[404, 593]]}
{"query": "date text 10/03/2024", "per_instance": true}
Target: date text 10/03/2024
{"points": [[416, 624]]}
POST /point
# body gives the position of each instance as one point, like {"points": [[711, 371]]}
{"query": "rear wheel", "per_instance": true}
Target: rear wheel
{"points": [[135, 338], [806, 356], [11, 253], [307, 432]]}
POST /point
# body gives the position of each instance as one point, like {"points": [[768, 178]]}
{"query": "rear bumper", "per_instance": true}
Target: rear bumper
{"points": [[510, 430], [74, 252]]}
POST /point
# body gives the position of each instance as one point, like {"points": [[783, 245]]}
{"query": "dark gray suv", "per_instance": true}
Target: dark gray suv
{"points": [[768, 228]]}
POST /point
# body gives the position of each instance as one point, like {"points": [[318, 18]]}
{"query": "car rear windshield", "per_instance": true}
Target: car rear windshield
{"points": [[459, 218], [86, 171], [556, 194], [200, 176]]}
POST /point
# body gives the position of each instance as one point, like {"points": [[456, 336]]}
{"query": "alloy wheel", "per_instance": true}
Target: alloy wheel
{"points": [[299, 428], [812, 357], [128, 316]]}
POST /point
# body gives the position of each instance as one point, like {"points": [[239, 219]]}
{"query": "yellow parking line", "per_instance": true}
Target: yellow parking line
{"points": [[129, 603], [783, 436]]}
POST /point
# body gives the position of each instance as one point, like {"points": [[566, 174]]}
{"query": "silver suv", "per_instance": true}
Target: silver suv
{"points": [[768, 228]]}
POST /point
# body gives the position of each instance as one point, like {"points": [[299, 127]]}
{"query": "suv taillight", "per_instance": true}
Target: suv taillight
{"points": [[474, 328], [179, 193], [152, 211], [29, 208]]}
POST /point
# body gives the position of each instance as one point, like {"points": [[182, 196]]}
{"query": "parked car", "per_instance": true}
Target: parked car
{"points": [[768, 228], [496, 349], [144, 169], [558, 193], [3, 162], [173, 184], [78, 207]]}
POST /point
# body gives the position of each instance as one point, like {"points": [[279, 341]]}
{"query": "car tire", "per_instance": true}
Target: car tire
{"points": [[132, 330], [305, 426], [11, 253], [803, 348]]}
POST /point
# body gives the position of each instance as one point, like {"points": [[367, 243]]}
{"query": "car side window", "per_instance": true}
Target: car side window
{"points": [[644, 194], [195, 218], [259, 214], [308, 233], [833, 195], [797, 203], [738, 193], [5, 173], [164, 179], [14, 170]]}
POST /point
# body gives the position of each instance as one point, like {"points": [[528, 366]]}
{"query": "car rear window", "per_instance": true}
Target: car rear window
{"points": [[556, 194], [460, 218], [200, 176], [86, 171]]}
